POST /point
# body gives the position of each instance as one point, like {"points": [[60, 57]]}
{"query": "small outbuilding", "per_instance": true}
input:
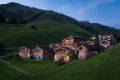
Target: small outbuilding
{"points": [[86, 51], [24, 52], [42, 53]]}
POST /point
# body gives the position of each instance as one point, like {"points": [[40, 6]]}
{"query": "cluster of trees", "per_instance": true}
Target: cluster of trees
{"points": [[1, 48], [15, 13], [33, 27]]}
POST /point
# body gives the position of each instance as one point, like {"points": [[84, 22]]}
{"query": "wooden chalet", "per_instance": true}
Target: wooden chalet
{"points": [[73, 41], [64, 53], [42, 53], [86, 51], [106, 40], [91, 41], [24, 52]]}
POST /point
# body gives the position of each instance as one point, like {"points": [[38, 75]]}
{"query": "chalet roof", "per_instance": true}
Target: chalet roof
{"points": [[93, 37], [94, 47], [106, 33], [46, 48], [76, 37], [23, 48], [68, 48]]}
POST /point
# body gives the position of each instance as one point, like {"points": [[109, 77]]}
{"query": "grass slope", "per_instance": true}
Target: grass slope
{"points": [[103, 67], [34, 66], [7, 73], [47, 32], [9, 28]]}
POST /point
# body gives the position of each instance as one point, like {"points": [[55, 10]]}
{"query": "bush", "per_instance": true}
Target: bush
{"points": [[1, 48], [10, 56], [32, 57], [33, 27], [74, 56], [61, 61]]}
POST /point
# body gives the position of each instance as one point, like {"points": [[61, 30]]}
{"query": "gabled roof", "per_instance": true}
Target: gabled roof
{"points": [[65, 48], [93, 37], [76, 37], [105, 33], [29, 47], [24, 48], [45, 48], [94, 47]]}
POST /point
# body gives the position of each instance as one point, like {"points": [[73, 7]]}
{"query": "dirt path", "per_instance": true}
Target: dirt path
{"points": [[17, 68]]}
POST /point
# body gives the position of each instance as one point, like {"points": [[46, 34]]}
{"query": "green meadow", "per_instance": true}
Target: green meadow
{"points": [[105, 66], [46, 32]]}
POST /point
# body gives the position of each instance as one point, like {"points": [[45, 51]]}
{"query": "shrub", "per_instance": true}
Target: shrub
{"points": [[1, 48], [33, 27], [61, 61]]}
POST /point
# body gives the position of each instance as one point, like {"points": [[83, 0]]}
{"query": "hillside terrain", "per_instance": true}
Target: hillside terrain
{"points": [[105, 66], [41, 27], [46, 33]]}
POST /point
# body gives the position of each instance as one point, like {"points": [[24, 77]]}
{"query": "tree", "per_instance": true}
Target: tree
{"points": [[1, 48], [33, 27], [61, 61], [2, 19]]}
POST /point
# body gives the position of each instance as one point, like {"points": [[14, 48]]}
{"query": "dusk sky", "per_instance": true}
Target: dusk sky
{"points": [[106, 12]]}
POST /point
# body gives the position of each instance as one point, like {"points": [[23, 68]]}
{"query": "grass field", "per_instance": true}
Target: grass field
{"points": [[52, 27], [7, 73], [105, 66], [34, 66], [23, 35]]}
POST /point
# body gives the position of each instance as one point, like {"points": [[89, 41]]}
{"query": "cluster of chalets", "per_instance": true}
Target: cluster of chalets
{"points": [[72, 47]]}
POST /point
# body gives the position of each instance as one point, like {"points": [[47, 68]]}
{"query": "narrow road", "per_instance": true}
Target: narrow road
{"points": [[17, 68]]}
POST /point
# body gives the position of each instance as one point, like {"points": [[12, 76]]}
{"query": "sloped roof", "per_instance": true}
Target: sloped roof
{"points": [[76, 37], [94, 47], [46, 48], [68, 48], [23, 48]]}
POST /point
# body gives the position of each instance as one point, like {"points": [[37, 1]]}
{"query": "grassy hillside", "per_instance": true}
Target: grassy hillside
{"points": [[9, 28], [10, 74], [105, 66], [51, 26], [46, 32], [96, 28]]}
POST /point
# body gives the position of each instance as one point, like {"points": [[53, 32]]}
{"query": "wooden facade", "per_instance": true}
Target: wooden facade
{"points": [[70, 45], [63, 53], [86, 51], [83, 52], [24, 52], [106, 40], [42, 53], [72, 41]]}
